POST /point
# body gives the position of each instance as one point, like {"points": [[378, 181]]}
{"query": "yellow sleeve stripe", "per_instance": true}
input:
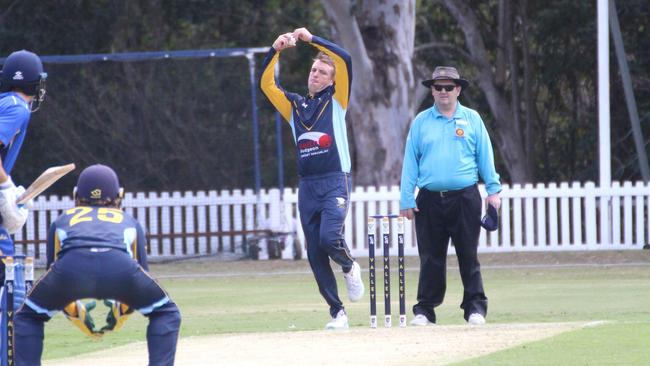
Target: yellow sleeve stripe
{"points": [[342, 78], [271, 90], [134, 249], [57, 246]]}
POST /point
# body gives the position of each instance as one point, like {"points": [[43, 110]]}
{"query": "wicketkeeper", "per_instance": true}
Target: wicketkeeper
{"points": [[96, 250]]}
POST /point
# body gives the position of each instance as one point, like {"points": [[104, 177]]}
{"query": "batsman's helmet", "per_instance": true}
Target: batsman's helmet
{"points": [[23, 71], [98, 185]]}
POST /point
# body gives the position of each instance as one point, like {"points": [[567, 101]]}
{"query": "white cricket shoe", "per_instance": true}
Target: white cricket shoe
{"points": [[421, 321], [340, 322], [354, 283], [476, 319]]}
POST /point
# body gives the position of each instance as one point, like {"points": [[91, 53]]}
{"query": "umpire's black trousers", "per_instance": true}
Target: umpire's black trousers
{"points": [[441, 216]]}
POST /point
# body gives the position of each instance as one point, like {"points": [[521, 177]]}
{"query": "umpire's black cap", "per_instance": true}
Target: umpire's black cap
{"points": [[98, 183], [490, 221]]}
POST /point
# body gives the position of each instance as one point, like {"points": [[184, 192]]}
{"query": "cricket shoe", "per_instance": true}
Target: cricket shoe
{"points": [[476, 319], [420, 321], [339, 322], [354, 283]]}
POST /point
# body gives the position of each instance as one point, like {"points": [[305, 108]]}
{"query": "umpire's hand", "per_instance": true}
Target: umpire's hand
{"points": [[409, 213]]}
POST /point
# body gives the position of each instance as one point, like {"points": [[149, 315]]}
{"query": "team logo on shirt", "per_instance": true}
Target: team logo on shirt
{"points": [[340, 202], [313, 143], [460, 132]]}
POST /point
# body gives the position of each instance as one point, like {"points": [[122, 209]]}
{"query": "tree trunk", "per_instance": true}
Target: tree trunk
{"points": [[500, 67], [528, 92], [380, 38], [507, 133]]}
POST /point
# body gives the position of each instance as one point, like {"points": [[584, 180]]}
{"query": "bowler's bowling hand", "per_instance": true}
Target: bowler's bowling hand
{"points": [[302, 34], [284, 41]]}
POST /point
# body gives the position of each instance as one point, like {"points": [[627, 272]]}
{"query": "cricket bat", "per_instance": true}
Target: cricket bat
{"points": [[44, 181]]}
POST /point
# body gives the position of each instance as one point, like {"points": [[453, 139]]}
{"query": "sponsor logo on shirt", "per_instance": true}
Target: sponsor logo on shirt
{"points": [[313, 143], [460, 132]]}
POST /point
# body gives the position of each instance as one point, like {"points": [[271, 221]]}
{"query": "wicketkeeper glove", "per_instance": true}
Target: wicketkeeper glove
{"points": [[79, 315], [118, 314], [13, 216]]}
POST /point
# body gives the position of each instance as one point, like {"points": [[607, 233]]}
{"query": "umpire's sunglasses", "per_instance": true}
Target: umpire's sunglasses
{"points": [[448, 88]]}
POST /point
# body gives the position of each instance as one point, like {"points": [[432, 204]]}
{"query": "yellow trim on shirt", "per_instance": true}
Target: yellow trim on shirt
{"points": [[270, 89], [342, 77]]}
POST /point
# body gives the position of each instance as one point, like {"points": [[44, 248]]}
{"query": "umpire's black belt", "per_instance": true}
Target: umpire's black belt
{"points": [[450, 193]]}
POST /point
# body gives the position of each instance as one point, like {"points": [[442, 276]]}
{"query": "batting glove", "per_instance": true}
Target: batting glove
{"points": [[117, 315], [13, 217], [79, 315]]}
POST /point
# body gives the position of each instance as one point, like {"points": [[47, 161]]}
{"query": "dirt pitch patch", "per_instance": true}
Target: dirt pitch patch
{"points": [[436, 345]]}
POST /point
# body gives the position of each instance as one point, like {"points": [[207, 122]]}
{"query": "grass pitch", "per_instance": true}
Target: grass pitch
{"points": [[611, 288]]}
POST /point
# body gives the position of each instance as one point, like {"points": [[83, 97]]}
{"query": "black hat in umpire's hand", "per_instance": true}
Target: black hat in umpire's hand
{"points": [[446, 73], [490, 221]]}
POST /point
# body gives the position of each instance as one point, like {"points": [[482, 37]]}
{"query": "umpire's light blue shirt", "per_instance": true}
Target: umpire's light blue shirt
{"points": [[444, 154]]}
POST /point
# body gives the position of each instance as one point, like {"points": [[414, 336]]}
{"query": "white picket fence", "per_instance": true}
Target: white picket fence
{"points": [[532, 218]]}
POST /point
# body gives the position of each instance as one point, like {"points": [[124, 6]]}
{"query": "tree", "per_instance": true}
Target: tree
{"points": [[386, 90], [380, 38], [532, 69], [186, 124]]}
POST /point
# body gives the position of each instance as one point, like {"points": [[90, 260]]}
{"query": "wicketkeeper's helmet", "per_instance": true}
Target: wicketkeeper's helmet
{"points": [[23, 71], [98, 185]]}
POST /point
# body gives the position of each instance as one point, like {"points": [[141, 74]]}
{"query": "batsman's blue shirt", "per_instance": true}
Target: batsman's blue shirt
{"points": [[14, 119], [443, 154], [318, 122], [96, 227]]}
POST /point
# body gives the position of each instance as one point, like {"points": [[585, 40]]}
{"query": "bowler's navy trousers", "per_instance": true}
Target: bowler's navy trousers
{"points": [[323, 201]]}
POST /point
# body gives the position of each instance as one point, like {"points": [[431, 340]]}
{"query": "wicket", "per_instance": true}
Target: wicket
{"points": [[385, 231], [10, 267], [12, 264]]}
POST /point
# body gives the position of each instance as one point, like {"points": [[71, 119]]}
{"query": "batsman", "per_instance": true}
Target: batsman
{"points": [[96, 250], [22, 90]]}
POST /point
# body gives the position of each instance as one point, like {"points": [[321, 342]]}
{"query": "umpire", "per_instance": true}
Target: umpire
{"points": [[446, 150], [96, 250]]}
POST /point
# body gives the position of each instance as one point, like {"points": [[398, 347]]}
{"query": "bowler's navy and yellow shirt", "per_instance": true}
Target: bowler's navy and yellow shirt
{"points": [[318, 122], [96, 227]]}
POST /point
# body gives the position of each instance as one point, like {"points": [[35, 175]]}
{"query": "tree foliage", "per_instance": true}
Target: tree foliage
{"points": [[186, 124]]}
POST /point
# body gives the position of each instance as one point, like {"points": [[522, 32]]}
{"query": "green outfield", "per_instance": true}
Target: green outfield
{"points": [[279, 296]]}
